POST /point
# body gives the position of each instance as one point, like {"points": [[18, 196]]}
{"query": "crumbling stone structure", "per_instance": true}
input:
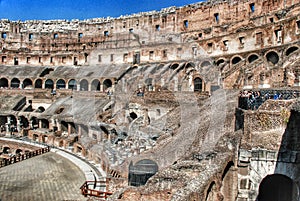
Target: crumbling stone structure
{"points": [[152, 98]]}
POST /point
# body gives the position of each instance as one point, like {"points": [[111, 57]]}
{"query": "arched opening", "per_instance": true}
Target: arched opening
{"points": [[197, 84], [272, 57], [24, 122], [15, 83], [64, 126], [27, 83], [84, 85], [6, 150], [34, 122], [19, 152], [220, 61], [40, 109], [228, 190], [252, 58], [3, 83], [44, 138], [35, 137], [60, 84], [148, 83], [133, 115], [46, 72], [205, 64], [49, 84], [107, 84], [277, 187], [211, 194], [95, 85], [45, 123], [236, 60], [72, 84], [38, 84], [291, 50], [141, 172], [174, 66]]}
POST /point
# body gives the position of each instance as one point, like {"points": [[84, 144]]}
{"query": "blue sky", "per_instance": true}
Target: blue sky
{"points": [[79, 9]]}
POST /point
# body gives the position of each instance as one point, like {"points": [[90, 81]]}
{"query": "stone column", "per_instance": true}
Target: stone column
{"points": [[69, 129], [19, 125], [78, 86], [58, 124], [101, 87], [7, 125], [40, 123]]}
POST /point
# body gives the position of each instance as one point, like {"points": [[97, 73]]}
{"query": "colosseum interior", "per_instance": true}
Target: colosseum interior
{"points": [[199, 102]]}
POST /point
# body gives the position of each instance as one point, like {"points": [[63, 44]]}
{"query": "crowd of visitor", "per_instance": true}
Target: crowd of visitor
{"points": [[251, 100]]}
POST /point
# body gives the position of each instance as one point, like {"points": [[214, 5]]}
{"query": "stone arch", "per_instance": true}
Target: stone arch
{"points": [[220, 61], [157, 68], [34, 122], [49, 84], [278, 187], [44, 139], [291, 50], [27, 82], [141, 172], [72, 84], [15, 83], [35, 137], [236, 60], [45, 123], [84, 85], [6, 150], [38, 84], [211, 194], [252, 58], [3, 82], [228, 176], [19, 152], [198, 84], [95, 86], [107, 83], [60, 84], [129, 70], [24, 121], [40, 109], [205, 64], [174, 66], [272, 57]]}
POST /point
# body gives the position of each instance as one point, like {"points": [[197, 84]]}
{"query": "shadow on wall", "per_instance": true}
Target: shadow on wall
{"points": [[283, 185]]}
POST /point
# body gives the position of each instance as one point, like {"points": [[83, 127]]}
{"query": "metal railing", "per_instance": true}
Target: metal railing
{"points": [[93, 188]]}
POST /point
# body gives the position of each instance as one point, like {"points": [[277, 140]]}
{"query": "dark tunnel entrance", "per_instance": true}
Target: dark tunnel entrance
{"points": [[141, 172], [277, 188]]}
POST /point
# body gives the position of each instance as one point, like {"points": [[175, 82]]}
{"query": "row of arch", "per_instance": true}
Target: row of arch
{"points": [[83, 84], [271, 56]]}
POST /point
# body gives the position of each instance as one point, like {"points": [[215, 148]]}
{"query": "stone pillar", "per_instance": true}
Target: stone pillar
{"points": [[78, 86], [69, 129], [8, 125], [21, 85], [52, 124], [58, 124], [90, 87], [40, 123], [101, 87], [31, 124], [19, 125]]}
